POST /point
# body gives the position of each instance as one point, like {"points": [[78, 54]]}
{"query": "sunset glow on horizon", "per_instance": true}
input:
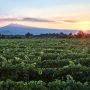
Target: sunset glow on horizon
{"points": [[56, 14]]}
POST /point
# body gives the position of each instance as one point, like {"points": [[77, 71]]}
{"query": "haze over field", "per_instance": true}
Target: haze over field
{"points": [[52, 14]]}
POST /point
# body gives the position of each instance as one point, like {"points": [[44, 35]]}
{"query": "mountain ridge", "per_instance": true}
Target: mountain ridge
{"points": [[18, 29]]}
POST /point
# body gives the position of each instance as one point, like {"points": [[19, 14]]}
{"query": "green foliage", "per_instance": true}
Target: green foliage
{"points": [[45, 64]]}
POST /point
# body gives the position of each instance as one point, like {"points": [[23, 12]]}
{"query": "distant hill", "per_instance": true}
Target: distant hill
{"points": [[16, 29]]}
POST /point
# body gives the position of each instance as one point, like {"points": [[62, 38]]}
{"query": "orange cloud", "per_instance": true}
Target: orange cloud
{"points": [[71, 21]]}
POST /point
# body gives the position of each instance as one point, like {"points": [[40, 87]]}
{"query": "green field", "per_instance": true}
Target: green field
{"points": [[45, 64]]}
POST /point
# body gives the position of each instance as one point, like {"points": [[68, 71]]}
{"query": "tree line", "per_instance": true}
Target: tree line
{"points": [[80, 34]]}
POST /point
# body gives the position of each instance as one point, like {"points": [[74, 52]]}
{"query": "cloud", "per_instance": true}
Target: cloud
{"points": [[66, 21], [26, 19], [70, 21], [9, 19], [36, 20]]}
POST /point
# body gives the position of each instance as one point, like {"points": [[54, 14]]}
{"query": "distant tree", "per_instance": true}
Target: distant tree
{"points": [[62, 35], [70, 35], [28, 35], [81, 34]]}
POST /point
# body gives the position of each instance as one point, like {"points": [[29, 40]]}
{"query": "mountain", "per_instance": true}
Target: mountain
{"points": [[16, 29]]}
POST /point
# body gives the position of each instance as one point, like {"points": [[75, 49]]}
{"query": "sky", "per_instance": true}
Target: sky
{"points": [[56, 14]]}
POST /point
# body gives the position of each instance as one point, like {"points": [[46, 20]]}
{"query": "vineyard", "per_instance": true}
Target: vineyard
{"points": [[45, 64]]}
